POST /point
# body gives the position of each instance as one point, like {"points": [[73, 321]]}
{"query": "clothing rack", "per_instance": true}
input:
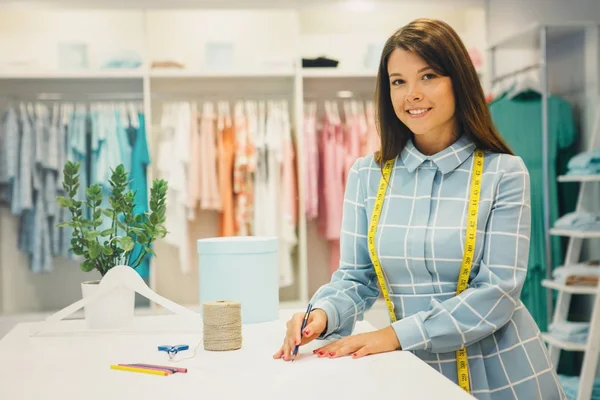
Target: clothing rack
{"points": [[516, 72], [183, 96], [70, 97]]}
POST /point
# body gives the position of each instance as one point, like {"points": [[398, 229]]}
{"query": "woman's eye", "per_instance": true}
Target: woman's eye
{"points": [[428, 76], [397, 82]]}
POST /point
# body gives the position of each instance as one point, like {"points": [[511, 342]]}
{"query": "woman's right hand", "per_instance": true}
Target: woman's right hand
{"points": [[317, 321]]}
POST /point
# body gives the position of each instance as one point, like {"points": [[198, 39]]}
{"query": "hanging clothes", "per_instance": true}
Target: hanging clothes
{"points": [[241, 171], [371, 141], [263, 211], [240, 162], [332, 180], [42, 137], [288, 211], [173, 161], [226, 157], [518, 119], [251, 108], [311, 162], [140, 161], [194, 170], [210, 196]]}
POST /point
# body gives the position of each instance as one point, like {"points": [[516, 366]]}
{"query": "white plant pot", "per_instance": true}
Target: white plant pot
{"points": [[114, 310]]}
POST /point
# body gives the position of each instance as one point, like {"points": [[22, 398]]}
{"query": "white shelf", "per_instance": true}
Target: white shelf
{"points": [[191, 74], [579, 178], [561, 344], [575, 233], [320, 73], [569, 288], [529, 37], [82, 75]]}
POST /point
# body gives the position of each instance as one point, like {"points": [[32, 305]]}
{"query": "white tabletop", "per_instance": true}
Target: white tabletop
{"points": [[68, 362]]}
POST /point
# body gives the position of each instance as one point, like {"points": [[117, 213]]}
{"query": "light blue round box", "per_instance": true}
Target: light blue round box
{"points": [[244, 269]]}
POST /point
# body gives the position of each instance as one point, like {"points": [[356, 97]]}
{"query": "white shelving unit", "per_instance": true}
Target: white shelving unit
{"points": [[538, 38], [591, 348]]}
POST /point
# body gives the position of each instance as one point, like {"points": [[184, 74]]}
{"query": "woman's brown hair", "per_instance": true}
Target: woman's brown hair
{"points": [[441, 47]]}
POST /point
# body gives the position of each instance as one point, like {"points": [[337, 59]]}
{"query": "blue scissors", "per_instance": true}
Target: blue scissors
{"points": [[172, 350]]}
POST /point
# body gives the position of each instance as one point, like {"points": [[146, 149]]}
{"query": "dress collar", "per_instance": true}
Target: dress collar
{"points": [[446, 160]]}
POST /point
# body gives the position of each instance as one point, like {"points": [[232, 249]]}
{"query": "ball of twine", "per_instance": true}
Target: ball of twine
{"points": [[222, 325]]}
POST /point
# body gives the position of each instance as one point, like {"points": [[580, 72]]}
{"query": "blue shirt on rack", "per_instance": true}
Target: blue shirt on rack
{"points": [[140, 159], [420, 242]]}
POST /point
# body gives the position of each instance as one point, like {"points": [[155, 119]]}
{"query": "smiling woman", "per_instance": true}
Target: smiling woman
{"points": [[438, 221], [425, 67]]}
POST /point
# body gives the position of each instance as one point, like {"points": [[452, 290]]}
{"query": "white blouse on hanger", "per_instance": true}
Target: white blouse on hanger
{"points": [[173, 159]]}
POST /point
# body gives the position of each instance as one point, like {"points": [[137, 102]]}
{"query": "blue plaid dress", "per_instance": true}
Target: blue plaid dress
{"points": [[420, 242]]}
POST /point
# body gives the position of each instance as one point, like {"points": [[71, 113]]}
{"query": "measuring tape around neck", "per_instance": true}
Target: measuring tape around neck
{"points": [[462, 364]]}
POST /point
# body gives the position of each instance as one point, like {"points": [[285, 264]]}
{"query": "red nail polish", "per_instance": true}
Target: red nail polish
{"points": [[320, 353], [307, 332], [354, 355], [332, 354]]}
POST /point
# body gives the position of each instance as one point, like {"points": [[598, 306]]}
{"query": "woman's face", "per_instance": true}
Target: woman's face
{"points": [[422, 99]]}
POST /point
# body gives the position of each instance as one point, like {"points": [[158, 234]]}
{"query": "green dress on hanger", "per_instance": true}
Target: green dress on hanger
{"points": [[519, 121]]}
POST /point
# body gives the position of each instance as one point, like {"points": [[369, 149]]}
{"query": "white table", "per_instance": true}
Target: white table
{"points": [[68, 362]]}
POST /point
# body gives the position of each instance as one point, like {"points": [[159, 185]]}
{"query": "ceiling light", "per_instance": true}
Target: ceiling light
{"points": [[345, 94]]}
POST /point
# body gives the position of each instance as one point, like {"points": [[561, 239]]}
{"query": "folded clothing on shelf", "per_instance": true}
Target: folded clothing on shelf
{"points": [[579, 220], [167, 64], [585, 163], [589, 270], [574, 332], [319, 62], [570, 385], [122, 59], [582, 280]]}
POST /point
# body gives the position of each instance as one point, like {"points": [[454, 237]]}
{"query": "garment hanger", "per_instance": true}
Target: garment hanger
{"points": [[525, 82], [133, 116]]}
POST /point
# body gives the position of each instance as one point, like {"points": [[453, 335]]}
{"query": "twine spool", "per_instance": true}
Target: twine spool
{"points": [[222, 325]]}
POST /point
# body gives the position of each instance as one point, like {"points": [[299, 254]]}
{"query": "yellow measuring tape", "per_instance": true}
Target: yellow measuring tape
{"points": [[465, 269]]}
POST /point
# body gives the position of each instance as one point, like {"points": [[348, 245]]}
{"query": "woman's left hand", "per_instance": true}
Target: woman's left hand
{"points": [[360, 345]]}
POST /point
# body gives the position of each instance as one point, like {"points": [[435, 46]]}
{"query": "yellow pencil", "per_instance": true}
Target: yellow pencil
{"points": [[141, 370]]}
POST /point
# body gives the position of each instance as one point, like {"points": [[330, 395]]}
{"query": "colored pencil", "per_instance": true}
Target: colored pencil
{"points": [[169, 370], [168, 367], [140, 370]]}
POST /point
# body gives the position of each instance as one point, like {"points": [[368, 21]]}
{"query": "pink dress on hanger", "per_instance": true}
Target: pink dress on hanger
{"points": [[311, 167]]}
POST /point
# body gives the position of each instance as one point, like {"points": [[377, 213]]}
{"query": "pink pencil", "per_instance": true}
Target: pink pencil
{"points": [[166, 370], [165, 367]]}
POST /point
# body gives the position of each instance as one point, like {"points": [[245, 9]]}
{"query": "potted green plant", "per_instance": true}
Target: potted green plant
{"points": [[105, 237]]}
